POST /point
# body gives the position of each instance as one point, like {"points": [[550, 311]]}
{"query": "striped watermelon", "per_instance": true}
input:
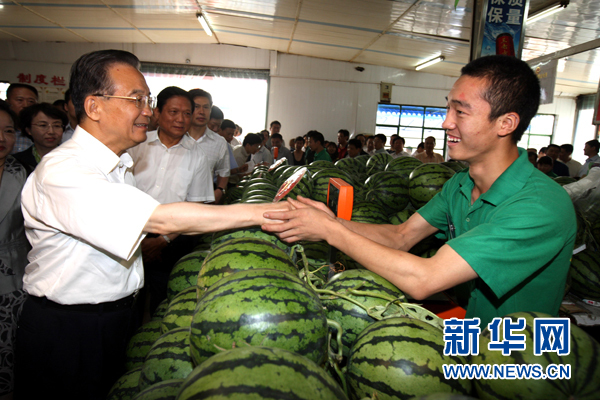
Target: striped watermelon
{"points": [[319, 164], [259, 307], [370, 213], [185, 273], [317, 255], [259, 193], [377, 162], [260, 171], [303, 188], [180, 310], [250, 232], [259, 373], [276, 173], [410, 353], [583, 358], [320, 180], [169, 358], [258, 200], [403, 166], [159, 313], [364, 159], [564, 180], [232, 194], [242, 254], [165, 390], [454, 165], [139, 345], [585, 274], [202, 242], [401, 216], [426, 181], [126, 387], [443, 396], [389, 190], [351, 317], [351, 166], [286, 174], [427, 245]]}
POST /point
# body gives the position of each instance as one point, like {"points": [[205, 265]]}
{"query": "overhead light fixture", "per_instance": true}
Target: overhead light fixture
{"points": [[430, 62], [204, 24], [545, 12]]}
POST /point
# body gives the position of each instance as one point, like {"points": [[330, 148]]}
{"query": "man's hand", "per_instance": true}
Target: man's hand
{"points": [[152, 248], [306, 220], [218, 196], [242, 168]]}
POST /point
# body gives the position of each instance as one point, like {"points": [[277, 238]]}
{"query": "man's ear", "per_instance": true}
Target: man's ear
{"points": [[508, 123], [92, 107], [156, 112]]}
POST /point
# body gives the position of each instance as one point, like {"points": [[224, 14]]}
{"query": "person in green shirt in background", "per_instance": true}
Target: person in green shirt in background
{"points": [[510, 229], [316, 145]]}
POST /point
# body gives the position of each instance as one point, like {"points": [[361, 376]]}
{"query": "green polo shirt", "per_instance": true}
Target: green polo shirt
{"points": [[322, 155], [518, 237]]}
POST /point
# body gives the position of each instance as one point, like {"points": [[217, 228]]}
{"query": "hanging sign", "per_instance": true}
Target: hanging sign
{"points": [[503, 31]]}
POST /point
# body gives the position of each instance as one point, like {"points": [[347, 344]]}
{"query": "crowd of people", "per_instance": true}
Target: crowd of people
{"points": [[118, 176]]}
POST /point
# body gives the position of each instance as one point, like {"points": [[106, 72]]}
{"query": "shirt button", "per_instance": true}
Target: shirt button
{"points": [[468, 220]]}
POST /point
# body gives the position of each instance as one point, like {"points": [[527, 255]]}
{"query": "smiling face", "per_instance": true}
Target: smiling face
{"points": [[120, 123], [471, 135], [46, 132], [175, 118]]}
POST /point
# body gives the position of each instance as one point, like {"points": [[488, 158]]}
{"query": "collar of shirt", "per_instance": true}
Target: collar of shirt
{"points": [[98, 153], [592, 159], [186, 141], [508, 183], [208, 134]]}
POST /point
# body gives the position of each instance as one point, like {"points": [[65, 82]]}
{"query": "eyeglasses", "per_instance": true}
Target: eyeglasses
{"points": [[55, 127], [140, 101]]}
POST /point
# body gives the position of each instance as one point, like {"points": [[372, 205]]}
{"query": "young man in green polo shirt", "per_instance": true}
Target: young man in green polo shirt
{"points": [[316, 145], [514, 228]]}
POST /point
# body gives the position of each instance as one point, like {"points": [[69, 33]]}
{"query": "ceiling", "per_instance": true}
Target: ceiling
{"points": [[393, 33]]}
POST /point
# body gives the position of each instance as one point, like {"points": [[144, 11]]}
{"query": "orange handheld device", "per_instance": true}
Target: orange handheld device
{"points": [[340, 198]]}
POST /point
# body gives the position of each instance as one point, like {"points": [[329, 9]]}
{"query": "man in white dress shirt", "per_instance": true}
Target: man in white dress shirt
{"points": [[211, 142], [170, 167], [85, 220]]}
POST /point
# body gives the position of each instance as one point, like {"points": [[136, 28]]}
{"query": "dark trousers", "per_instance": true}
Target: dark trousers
{"points": [[70, 353]]}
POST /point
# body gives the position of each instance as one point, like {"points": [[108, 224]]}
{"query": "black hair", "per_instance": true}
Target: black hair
{"points": [[27, 115], [169, 92], [59, 103], [300, 139], [6, 108], [381, 137], [344, 132], [252, 139], [398, 138], [421, 145], [68, 95], [545, 160], [316, 136], [276, 136], [200, 93], [227, 123], [89, 75], [355, 142], [594, 143], [567, 147], [554, 145], [239, 128], [14, 86], [512, 86], [216, 113], [274, 123]]}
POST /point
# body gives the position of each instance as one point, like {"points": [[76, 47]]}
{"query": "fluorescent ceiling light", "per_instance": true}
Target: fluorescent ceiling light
{"points": [[430, 62], [547, 11], [204, 24]]}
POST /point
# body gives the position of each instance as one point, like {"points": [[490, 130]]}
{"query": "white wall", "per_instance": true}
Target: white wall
{"points": [[305, 93]]}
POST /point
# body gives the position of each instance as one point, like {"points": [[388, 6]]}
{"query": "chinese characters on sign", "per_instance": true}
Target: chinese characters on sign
{"points": [[550, 335], [503, 27], [41, 79]]}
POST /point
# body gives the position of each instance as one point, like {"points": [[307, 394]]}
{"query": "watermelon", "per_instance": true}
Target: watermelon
{"points": [[259, 373], [426, 181], [370, 213], [303, 188], [378, 162], [398, 358], [250, 232], [180, 310], [317, 256], [202, 242], [443, 396], [389, 190], [126, 387], [259, 307], [403, 166], [320, 180], [401, 217], [260, 171], [165, 390], [160, 310], [242, 254], [232, 194], [454, 165], [185, 273], [169, 358], [585, 274], [319, 164], [286, 174], [583, 359], [351, 317], [351, 166], [139, 345]]}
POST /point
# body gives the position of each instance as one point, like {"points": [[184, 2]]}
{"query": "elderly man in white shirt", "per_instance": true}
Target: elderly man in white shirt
{"points": [[170, 167], [85, 221], [211, 142]]}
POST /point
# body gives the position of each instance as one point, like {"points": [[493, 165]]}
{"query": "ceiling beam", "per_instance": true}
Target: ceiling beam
{"points": [[580, 48]]}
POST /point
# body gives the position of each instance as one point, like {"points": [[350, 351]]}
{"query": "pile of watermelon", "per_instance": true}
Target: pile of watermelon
{"points": [[249, 316]]}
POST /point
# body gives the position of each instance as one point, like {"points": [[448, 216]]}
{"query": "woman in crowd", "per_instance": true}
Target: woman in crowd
{"points": [[13, 247], [298, 153], [44, 125], [332, 149]]}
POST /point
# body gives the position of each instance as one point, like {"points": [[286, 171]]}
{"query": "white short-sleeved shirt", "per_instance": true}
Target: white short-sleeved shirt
{"points": [[84, 219], [263, 155], [170, 175], [215, 147]]}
